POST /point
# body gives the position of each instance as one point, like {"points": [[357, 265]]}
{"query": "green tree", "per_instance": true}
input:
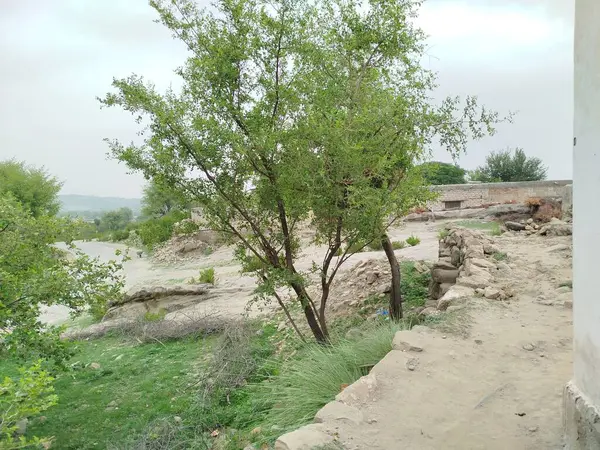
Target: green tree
{"points": [[35, 273], [294, 110], [159, 200], [33, 187], [116, 220], [439, 173], [506, 165]]}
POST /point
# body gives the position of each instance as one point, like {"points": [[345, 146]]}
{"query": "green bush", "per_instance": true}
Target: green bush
{"points": [[414, 285], [398, 245], [376, 245], [156, 231], [356, 247], [442, 234], [207, 276], [500, 256], [120, 235], [413, 240]]}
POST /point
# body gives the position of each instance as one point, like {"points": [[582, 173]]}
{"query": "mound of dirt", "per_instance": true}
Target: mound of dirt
{"points": [[186, 247]]}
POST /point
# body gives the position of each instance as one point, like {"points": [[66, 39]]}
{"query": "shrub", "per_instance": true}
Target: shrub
{"points": [[547, 212], [533, 201], [155, 316], [376, 245], [397, 245], [157, 231], [207, 276], [500, 256], [442, 234], [120, 235], [413, 240]]}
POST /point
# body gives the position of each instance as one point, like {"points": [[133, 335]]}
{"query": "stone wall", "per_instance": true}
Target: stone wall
{"points": [[476, 195]]}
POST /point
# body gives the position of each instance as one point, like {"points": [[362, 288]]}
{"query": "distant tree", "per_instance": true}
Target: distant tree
{"points": [[437, 173], [116, 220], [32, 187], [160, 199], [506, 165]]}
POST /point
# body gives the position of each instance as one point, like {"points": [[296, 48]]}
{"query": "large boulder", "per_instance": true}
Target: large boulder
{"points": [[514, 226], [306, 438], [557, 227], [454, 295]]}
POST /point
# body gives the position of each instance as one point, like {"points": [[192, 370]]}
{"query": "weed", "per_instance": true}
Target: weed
{"points": [[208, 251], [398, 245], [491, 227], [500, 256], [208, 276], [413, 240], [414, 285], [442, 234]]}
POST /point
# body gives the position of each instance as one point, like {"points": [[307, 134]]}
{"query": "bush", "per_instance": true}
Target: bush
{"points": [[157, 231], [398, 245], [207, 276], [376, 245], [414, 285], [413, 240], [442, 234], [356, 247], [500, 256], [155, 316], [120, 235]]}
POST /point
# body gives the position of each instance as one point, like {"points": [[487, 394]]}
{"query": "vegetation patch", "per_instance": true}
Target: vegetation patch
{"points": [[490, 227], [413, 241]]}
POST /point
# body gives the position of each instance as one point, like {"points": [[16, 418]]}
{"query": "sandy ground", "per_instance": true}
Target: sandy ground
{"points": [[233, 290], [497, 383]]}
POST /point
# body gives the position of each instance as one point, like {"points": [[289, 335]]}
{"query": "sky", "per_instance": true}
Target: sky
{"points": [[57, 57]]}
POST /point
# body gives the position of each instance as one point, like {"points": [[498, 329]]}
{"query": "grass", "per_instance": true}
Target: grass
{"points": [[442, 234], [398, 245], [208, 276], [413, 240], [145, 382], [500, 256], [492, 228]]}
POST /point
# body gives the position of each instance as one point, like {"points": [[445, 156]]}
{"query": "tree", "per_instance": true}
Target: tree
{"points": [[159, 200], [33, 187], [116, 220], [35, 273], [292, 111], [506, 165], [439, 173]]}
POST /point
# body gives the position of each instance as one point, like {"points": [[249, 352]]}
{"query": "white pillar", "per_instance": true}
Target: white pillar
{"points": [[582, 395]]}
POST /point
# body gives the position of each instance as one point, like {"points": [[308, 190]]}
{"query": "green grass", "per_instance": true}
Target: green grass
{"points": [[413, 240], [208, 276], [492, 228], [500, 256], [146, 382], [568, 284], [442, 234], [398, 245]]}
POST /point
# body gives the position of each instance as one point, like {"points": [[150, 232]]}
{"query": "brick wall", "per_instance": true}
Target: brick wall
{"points": [[455, 196]]}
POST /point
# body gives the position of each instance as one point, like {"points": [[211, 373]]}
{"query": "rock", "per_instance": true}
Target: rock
{"points": [[454, 308], [21, 427], [339, 412], [190, 247], [444, 265], [514, 226], [427, 312], [412, 364], [564, 290], [528, 228], [559, 248], [95, 366], [304, 438], [360, 391], [444, 275], [421, 267], [473, 282], [536, 226], [568, 304], [177, 419], [407, 341], [256, 431], [480, 291], [557, 228], [504, 267], [372, 277], [529, 347], [484, 263], [454, 294], [490, 249], [529, 221], [499, 210], [281, 326], [492, 293], [455, 256]]}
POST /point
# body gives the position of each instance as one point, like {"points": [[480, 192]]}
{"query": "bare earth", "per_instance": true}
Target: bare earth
{"points": [[496, 384]]}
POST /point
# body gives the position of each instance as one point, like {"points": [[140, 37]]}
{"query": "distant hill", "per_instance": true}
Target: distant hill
{"points": [[94, 206]]}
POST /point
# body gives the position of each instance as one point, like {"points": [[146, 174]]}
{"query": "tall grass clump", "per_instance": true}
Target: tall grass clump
{"points": [[306, 383]]}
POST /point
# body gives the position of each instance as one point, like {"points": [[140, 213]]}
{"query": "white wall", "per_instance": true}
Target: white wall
{"points": [[586, 200]]}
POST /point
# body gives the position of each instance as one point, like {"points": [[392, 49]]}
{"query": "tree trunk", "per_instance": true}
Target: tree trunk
{"points": [[395, 294], [319, 334]]}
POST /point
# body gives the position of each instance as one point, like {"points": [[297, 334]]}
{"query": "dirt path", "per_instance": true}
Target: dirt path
{"points": [[498, 386]]}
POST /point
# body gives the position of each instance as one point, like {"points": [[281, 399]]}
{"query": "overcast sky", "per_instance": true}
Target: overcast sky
{"points": [[57, 56]]}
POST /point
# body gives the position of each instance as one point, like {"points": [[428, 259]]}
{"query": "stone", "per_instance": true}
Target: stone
{"points": [[490, 249], [444, 265], [427, 312], [412, 364], [454, 294], [529, 221], [492, 293], [568, 304], [421, 267], [190, 247], [514, 226], [564, 290], [360, 391], [407, 341], [339, 412], [557, 228], [529, 347], [454, 308], [484, 263], [177, 419], [528, 228], [473, 282], [281, 326], [95, 366], [559, 248], [304, 438], [372, 277], [499, 210], [455, 256], [444, 275]]}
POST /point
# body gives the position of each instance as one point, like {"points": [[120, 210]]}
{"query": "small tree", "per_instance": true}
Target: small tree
{"points": [[159, 200], [506, 165], [293, 110], [440, 173], [116, 220], [33, 187]]}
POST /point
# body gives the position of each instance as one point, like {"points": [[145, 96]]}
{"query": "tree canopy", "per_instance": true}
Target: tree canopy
{"points": [[160, 199], [290, 111], [438, 173], [33, 187], [508, 165]]}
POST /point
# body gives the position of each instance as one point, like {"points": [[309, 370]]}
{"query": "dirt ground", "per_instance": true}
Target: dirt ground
{"points": [[490, 379]]}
